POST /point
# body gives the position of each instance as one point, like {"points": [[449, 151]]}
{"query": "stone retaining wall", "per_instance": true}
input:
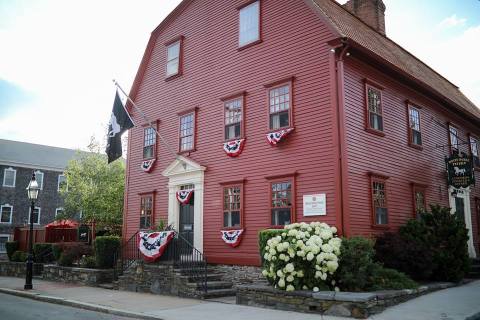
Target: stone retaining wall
{"points": [[346, 304], [239, 275], [91, 277], [17, 269]]}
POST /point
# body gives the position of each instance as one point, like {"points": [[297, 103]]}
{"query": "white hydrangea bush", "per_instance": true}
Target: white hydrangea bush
{"points": [[303, 257]]}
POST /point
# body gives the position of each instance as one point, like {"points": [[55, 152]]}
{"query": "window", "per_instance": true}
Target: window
{"points": [[62, 183], [249, 24], [279, 107], [174, 55], [375, 109], [453, 134], [419, 200], [379, 201], [233, 118], [414, 121], [187, 131], [474, 151], [4, 238], [146, 211], [59, 211], [281, 202], [149, 139], [232, 206], [36, 215], [9, 177], [6, 213], [39, 178]]}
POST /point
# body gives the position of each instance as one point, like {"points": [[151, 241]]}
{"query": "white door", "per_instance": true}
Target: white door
{"points": [[460, 205]]}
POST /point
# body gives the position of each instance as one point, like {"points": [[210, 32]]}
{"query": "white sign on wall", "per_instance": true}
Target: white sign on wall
{"points": [[315, 205]]}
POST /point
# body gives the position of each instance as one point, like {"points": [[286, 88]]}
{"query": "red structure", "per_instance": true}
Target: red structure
{"points": [[325, 107]]}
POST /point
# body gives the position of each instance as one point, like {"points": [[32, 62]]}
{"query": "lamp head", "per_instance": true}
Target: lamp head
{"points": [[33, 189]]}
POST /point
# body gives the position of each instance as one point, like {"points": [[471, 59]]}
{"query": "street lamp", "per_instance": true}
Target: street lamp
{"points": [[32, 191]]}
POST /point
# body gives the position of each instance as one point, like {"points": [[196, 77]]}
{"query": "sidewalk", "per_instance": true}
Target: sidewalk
{"points": [[455, 303]]}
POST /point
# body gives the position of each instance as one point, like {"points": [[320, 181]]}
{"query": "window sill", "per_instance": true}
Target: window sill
{"points": [[186, 151], [232, 228], [234, 139], [278, 226], [380, 226], [248, 45], [173, 76], [416, 146], [375, 132], [279, 129], [8, 186]]}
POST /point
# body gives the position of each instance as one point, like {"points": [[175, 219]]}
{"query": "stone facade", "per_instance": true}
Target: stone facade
{"points": [[17, 269], [239, 275], [91, 277], [345, 304]]}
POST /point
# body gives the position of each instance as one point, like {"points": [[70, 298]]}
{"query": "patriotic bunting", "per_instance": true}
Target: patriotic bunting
{"points": [[232, 237], [147, 165], [233, 148], [153, 244], [183, 196], [275, 137]]}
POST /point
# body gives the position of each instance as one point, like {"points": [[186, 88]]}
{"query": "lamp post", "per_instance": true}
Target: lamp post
{"points": [[32, 191]]}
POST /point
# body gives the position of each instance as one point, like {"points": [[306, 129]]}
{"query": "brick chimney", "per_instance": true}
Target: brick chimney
{"points": [[372, 12]]}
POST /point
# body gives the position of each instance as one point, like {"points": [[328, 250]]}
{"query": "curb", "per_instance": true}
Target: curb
{"points": [[77, 304]]}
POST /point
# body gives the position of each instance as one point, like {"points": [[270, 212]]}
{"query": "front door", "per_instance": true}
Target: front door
{"points": [[186, 220], [460, 204]]}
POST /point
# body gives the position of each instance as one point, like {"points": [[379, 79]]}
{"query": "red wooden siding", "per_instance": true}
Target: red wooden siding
{"points": [[213, 68], [391, 155]]}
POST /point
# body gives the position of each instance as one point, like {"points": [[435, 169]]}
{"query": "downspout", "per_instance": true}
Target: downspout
{"points": [[340, 88]]}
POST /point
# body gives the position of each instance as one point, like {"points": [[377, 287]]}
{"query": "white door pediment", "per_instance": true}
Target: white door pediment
{"points": [[182, 165]]}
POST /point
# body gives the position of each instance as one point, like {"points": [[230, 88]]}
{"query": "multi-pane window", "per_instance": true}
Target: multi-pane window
{"points": [[474, 151], [39, 179], [375, 112], [415, 133], [187, 131], [9, 177], [62, 182], [59, 211], [232, 205], [173, 58], [36, 215], [233, 119], [279, 107], [249, 24], [453, 138], [420, 201], [4, 238], [149, 138], [6, 213], [146, 211], [379, 202], [281, 202]]}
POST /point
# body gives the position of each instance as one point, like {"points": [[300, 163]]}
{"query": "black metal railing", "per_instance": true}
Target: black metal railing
{"points": [[180, 252]]}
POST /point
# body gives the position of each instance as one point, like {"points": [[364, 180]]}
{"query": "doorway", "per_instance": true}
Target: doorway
{"points": [[186, 220], [460, 206]]}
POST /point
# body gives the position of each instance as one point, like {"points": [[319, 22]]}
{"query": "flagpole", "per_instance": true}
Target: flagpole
{"points": [[150, 124]]}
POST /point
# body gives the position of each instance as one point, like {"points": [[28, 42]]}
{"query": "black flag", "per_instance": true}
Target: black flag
{"points": [[119, 122]]}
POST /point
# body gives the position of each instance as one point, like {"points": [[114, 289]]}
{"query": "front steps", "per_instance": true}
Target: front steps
{"points": [[474, 272]]}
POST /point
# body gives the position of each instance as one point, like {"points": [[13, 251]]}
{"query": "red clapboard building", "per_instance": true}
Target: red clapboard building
{"points": [[280, 111]]}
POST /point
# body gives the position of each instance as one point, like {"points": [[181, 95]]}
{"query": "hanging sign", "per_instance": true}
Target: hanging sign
{"points": [[147, 165], [184, 196], [153, 244], [315, 205], [460, 171], [232, 237], [234, 148], [275, 137]]}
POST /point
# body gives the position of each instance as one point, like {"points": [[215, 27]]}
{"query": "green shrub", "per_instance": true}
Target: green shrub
{"points": [[57, 250], [88, 262], [66, 259], [389, 279], [105, 249], [263, 237], [19, 256], [43, 252], [11, 247]]}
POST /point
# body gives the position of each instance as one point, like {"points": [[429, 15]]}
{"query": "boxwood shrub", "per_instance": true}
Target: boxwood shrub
{"points": [[43, 252], [11, 247], [19, 256], [105, 250], [57, 249]]}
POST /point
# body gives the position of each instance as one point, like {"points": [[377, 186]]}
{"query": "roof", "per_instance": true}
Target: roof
{"points": [[349, 26], [29, 155]]}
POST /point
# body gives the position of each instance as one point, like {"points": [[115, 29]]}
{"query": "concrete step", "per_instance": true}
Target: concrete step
{"points": [[215, 293], [109, 286], [475, 268], [211, 285]]}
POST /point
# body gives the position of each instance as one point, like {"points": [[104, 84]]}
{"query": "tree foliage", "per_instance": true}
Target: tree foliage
{"points": [[94, 188]]}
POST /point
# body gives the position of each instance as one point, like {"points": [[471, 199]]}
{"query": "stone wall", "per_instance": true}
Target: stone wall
{"points": [[17, 269], [91, 277], [345, 304], [239, 275]]}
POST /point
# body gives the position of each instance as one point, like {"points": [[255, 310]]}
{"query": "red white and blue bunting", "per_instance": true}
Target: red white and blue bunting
{"points": [[234, 148], [183, 196], [147, 165], [232, 237], [275, 137], [153, 244]]}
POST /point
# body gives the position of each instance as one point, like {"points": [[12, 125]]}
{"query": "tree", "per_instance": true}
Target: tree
{"points": [[95, 188]]}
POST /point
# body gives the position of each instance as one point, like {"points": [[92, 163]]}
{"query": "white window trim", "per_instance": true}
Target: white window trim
{"points": [[37, 172], [11, 213], [57, 209], [39, 215], [8, 239], [14, 177], [58, 182]]}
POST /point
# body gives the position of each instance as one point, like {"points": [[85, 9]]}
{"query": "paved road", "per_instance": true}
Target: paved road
{"points": [[16, 308]]}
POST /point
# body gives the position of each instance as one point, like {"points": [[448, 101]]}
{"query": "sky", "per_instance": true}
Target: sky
{"points": [[58, 57]]}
